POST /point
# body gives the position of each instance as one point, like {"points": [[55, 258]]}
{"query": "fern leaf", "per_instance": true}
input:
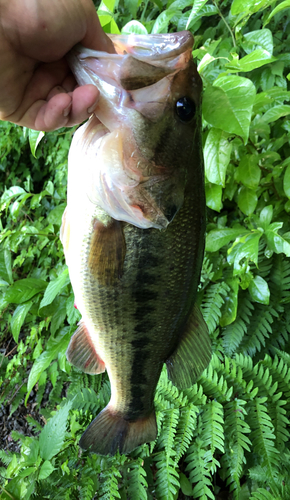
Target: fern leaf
{"points": [[109, 484], [215, 385], [184, 431], [213, 299], [279, 283], [281, 423], [233, 334], [236, 442], [199, 471], [167, 435], [137, 484], [263, 436], [259, 330], [167, 478], [87, 490], [262, 494]]}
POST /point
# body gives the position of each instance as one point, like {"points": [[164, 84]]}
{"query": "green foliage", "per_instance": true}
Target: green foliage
{"points": [[228, 435]]}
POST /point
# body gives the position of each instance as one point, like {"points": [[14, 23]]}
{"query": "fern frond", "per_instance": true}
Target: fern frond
{"points": [[233, 334], [213, 299], [6, 456], [184, 431], [236, 442], [88, 489], [211, 431], [167, 395], [259, 330], [109, 484], [279, 282], [199, 472], [167, 435], [215, 385], [262, 494], [167, 478], [137, 484], [262, 435], [281, 423]]}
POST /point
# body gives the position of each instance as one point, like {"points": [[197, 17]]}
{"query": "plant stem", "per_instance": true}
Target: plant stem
{"points": [[228, 27]]}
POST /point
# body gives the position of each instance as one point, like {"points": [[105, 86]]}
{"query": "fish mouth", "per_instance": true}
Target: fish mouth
{"points": [[127, 181]]}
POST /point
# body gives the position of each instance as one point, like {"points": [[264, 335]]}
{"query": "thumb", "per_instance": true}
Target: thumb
{"points": [[96, 38]]}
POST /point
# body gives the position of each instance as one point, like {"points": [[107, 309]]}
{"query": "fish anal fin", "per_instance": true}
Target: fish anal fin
{"points": [[81, 352], [193, 353], [111, 432], [107, 252]]}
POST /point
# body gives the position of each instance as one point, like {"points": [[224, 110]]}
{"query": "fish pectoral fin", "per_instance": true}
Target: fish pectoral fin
{"points": [[192, 354], [107, 252], [111, 432], [65, 232], [82, 354]]}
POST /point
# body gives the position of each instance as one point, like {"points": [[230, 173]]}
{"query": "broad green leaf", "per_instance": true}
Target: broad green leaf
{"points": [[254, 60], [278, 8], [247, 248], [52, 435], [206, 60], [34, 139], [197, 5], [5, 266], [286, 181], [217, 238], [185, 485], [134, 27], [46, 357], [110, 4], [54, 288], [247, 200], [26, 472], [228, 104], [266, 216], [18, 318], [45, 470], [259, 290], [258, 39], [276, 112], [161, 23], [213, 196], [275, 242], [217, 153], [23, 290], [59, 315], [248, 6], [230, 305], [55, 215], [73, 315], [248, 171]]}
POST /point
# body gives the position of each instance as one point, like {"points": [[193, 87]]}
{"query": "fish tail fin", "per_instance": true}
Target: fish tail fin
{"points": [[110, 432]]}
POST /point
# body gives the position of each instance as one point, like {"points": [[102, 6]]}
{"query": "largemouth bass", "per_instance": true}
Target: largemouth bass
{"points": [[133, 230]]}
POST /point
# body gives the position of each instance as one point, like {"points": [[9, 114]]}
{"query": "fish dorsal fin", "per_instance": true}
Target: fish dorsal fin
{"points": [[82, 354], [192, 354]]}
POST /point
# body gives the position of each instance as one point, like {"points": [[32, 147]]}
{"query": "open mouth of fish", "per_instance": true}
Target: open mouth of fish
{"points": [[139, 86]]}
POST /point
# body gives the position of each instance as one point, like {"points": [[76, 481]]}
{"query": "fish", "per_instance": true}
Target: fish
{"points": [[133, 230]]}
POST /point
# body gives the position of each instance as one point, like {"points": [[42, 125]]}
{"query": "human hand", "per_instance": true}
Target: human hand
{"points": [[37, 88]]}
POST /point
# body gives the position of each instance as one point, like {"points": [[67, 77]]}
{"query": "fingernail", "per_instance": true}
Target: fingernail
{"points": [[92, 108], [67, 110]]}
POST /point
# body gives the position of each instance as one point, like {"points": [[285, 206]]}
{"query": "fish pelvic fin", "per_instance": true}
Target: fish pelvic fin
{"points": [[82, 354], [192, 354], [111, 432]]}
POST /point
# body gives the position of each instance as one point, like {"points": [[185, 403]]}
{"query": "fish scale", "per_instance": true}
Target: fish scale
{"points": [[133, 235]]}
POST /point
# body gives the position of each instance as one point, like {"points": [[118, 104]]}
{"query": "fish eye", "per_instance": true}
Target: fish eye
{"points": [[185, 109]]}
